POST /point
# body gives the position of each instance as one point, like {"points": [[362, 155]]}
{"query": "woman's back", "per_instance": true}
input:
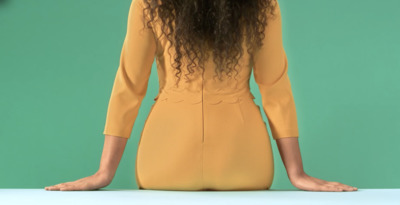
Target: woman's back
{"points": [[202, 132]]}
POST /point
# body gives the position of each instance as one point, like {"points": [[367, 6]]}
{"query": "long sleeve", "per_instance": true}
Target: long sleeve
{"points": [[132, 76], [270, 71]]}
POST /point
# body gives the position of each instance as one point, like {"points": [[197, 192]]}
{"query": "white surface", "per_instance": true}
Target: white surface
{"points": [[144, 197]]}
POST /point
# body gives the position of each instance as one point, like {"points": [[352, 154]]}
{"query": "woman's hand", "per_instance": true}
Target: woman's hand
{"points": [[95, 181], [309, 183], [290, 153], [113, 149]]}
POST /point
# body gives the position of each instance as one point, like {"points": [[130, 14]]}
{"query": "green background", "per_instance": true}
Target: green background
{"points": [[58, 60]]}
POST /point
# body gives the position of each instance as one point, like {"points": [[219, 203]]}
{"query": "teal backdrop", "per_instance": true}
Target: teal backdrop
{"points": [[58, 60]]}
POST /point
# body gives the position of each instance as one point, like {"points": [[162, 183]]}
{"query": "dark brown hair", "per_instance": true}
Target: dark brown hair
{"points": [[197, 26]]}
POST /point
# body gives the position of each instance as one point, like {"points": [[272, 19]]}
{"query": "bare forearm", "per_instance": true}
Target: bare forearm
{"points": [[113, 150], [290, 153]]}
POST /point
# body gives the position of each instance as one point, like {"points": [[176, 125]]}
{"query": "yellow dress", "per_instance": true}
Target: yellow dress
{"points": [[205, 134]]}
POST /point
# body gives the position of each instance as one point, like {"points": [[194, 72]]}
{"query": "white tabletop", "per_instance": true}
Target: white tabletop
{"points": [[144, 197]]}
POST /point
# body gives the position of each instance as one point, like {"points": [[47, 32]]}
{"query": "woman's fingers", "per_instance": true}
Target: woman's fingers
{"points": [[325, 187], [328, 188], [68, 187], [339, 185], [314, 184], [92, 182], [344, 186], [54, 187], [58, 186]]}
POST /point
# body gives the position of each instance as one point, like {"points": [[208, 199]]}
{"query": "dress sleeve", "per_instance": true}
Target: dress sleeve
{"points": [[132, 76], [270, 70]]}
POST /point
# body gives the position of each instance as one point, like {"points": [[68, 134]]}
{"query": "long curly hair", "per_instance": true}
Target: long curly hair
{"points": [[195, 27]]}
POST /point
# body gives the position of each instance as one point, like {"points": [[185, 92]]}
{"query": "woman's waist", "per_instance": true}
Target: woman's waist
{"points": [[206, 97]]}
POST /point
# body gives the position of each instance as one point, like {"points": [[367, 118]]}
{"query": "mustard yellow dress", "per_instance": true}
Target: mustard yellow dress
{"points": [[204, 134]]}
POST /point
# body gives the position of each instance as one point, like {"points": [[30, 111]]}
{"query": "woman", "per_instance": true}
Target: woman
{"points": [[204, 132]]}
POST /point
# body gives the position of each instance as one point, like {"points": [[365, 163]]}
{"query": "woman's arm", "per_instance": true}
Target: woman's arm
{"points": [[290, 153], [133, 74], [129, 89], [113, 149], [271, 75]]}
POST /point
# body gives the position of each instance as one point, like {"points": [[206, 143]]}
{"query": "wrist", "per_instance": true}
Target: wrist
{"points": [[293, 174], [108, 175]]}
